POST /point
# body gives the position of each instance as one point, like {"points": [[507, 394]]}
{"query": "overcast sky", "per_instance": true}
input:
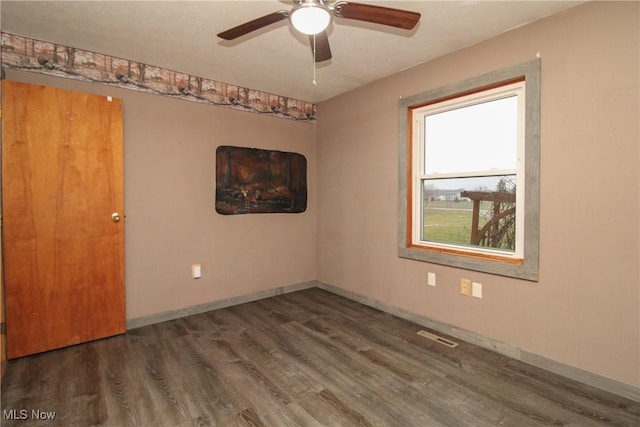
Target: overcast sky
{"points": [[487, 140]]}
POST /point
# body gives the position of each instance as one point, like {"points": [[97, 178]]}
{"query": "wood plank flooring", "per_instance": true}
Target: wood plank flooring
{"points": [[309, 358]]}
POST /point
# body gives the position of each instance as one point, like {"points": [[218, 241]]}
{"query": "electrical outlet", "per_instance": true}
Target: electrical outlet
{"points": [[476, 289], [196, 271], [465, 287], [431, 279]]}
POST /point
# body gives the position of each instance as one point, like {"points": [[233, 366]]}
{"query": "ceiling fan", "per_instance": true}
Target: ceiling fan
{"points": [[312, 17]]}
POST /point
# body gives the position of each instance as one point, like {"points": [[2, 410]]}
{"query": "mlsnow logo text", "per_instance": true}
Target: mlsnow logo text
{"points": [[25, 414]]}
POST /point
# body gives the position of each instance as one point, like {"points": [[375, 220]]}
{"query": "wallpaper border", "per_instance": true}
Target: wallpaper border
{"points": [[38, 56]]}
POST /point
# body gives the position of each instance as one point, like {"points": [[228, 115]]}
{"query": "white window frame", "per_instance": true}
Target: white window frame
{"points": [[524, 263], [516, 89]]}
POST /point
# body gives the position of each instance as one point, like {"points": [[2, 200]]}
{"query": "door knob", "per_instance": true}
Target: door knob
{"points": [[115, 217]]}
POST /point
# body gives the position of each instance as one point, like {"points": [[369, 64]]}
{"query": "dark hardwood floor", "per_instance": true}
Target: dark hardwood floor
{"points": [[309, 358]]}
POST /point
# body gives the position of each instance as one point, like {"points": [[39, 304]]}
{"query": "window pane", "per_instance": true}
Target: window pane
{"points": [[470, 211], [478, 137]]}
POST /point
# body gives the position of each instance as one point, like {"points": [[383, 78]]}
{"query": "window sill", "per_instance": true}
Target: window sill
{"points": [[469, 254], [517, 268]]}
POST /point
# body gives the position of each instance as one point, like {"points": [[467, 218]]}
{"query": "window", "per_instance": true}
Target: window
{"points": [[467, 175], [469, 180]]}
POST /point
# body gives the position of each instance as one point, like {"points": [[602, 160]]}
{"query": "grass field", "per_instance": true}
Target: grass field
{"points": [[450, 221]]}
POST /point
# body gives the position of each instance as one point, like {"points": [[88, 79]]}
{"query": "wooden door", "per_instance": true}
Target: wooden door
{"points": [[62, 179]]}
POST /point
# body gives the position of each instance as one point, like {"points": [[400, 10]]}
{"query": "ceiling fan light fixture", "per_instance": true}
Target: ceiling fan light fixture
{"points": [[310, 18]]}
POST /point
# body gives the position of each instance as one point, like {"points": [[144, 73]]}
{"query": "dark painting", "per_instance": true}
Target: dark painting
{"points": [[250, 180]]}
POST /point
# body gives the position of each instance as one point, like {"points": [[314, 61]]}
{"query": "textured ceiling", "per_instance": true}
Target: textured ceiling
{"points": [[181, 36]]}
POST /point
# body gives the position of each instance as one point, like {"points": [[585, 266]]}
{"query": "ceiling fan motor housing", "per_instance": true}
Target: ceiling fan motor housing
{"points": [[310, 16]]}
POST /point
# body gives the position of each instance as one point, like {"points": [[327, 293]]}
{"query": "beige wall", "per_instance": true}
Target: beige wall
{"points": [[171, 222], [585, 309]]}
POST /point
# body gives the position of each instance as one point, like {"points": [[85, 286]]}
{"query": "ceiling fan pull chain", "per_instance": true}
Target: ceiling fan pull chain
{"points": [[314, 61]]}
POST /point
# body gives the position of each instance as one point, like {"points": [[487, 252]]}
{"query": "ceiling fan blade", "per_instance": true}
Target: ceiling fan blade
{"points": [[377, 14], [254, 25], [322, 48]]}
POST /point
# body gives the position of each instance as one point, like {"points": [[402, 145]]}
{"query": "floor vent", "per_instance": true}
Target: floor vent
{"points": [[436, 338]]}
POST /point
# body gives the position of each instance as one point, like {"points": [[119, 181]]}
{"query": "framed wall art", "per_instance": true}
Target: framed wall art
{"points": [[252, 180]]}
